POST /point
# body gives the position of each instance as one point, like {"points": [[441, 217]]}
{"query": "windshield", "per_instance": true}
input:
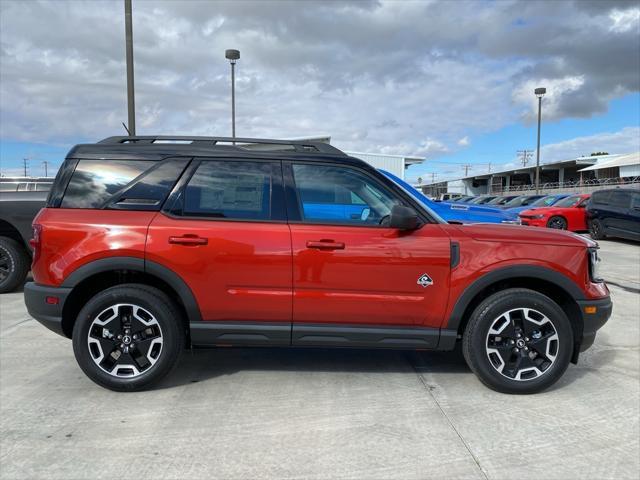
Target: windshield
{"points": [[417, 195], [546, 201], [571, 201]]}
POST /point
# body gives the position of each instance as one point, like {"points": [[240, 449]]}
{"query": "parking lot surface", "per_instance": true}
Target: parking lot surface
{"points": [[260, 413]]}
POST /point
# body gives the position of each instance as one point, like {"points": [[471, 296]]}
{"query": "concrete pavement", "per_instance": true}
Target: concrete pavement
{"points": [[269, 413]]}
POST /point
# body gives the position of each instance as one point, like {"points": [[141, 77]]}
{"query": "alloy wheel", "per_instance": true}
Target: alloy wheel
{"points": [[125, 340], [5, 264], [522, 344]]}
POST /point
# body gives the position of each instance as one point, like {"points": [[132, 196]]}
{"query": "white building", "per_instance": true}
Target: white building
{"points": [[396, 164]]}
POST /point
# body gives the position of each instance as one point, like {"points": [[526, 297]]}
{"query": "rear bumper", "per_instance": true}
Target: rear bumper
{"points": [[593, 321], [48, 314]]}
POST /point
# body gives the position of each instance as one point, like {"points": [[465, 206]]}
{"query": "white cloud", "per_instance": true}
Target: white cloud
{"points": [[625, 20], [376, 75], [626, 140], [464, 141]]}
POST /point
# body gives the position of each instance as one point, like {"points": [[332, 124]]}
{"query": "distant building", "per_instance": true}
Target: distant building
{"points": [[396, 164], [557, 176]]}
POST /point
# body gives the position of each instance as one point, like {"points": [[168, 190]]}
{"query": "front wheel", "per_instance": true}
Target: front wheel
{"points": [[128, 337], [558, 223], [518, 341], [596, 230]]}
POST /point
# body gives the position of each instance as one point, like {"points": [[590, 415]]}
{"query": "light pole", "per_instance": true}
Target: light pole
{"points": [[128, 34], [539, 93], [233, 56]]}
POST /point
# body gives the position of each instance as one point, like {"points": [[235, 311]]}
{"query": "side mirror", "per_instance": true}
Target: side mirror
{"points": [[403, 218]]}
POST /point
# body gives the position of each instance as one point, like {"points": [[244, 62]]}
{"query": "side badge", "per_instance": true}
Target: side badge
{"points": [[425, 280]]}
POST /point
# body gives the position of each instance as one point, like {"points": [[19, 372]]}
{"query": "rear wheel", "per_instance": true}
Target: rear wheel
{"points": [[518, 341], [14, 264], [128, 337], [558, 223], [596, 230]]}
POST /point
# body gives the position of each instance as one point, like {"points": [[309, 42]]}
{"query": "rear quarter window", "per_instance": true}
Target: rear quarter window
{"points": [[122, 184], [600, 198]]}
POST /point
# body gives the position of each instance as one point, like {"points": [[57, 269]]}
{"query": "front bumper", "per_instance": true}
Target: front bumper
{"points": [[534, 222], [595, 314], [48, 314]]}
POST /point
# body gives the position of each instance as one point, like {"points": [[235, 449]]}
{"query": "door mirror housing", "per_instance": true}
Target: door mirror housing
{"points": [[403, 218]]}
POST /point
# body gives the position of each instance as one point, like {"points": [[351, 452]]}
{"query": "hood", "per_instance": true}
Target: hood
{"points": [[543, 210], [522, 234]]}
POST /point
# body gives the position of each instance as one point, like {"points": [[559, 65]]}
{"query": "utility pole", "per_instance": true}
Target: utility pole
{"points": [[466, 169], [489, 168], [433, 177], [46, 169], [128, 29], [525, 156], [25, 165]]}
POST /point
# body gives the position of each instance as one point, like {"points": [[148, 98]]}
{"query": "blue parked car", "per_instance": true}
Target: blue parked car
{"points": [[458, 212], [545, 201]]}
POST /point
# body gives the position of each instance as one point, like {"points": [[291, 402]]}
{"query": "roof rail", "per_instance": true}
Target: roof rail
{"points": [[245, 143]]}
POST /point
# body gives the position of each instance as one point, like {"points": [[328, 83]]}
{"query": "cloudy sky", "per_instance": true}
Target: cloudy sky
{"points": [[451, 81]]}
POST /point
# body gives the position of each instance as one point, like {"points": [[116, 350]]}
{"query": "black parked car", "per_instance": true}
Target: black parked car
{"points": [[614, 213]]}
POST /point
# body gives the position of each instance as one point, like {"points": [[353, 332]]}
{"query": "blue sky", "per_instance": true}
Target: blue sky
{"points": [[449, 81]]}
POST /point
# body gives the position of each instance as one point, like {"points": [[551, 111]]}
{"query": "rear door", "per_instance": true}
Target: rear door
{"points": [[351, 269], [224, 232], [618, 211]]}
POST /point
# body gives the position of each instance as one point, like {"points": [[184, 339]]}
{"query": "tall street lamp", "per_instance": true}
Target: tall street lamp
{"points": [[539, 93], [233, 56]]}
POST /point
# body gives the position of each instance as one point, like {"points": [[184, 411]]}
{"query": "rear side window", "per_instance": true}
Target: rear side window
{"points": [[235, 190], [94, 182], [620, 199]]}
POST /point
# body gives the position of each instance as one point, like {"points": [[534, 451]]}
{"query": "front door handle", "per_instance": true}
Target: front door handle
{"points": [[188, 239], [326, 245]]}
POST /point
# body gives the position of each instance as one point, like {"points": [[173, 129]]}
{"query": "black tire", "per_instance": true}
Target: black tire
{"points": [[557, 222], [164, 313], [14, 264], [477, 338], [596, 230]]}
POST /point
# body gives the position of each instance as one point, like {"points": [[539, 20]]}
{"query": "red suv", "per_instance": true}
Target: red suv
{"points": [[150, 245]]}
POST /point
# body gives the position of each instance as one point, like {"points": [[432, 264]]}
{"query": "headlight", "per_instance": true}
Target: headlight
{"points": [[594, 265], [537, 217]]}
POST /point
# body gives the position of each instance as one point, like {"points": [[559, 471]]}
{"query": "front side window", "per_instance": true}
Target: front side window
{"points": [[235, 190], [328, 194]]}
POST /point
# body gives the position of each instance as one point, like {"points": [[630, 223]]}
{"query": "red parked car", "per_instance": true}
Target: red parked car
{"points": [[568, 214], [148, 247]]}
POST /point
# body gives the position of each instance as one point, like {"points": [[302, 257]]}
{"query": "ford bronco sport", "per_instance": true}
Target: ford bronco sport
{"points": [[150, 245]]}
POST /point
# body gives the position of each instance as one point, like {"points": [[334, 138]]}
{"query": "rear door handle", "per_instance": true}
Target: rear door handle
{"points": [[188, 240], [326, 245]]}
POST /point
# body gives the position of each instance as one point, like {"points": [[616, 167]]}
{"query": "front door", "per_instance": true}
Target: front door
{"points": [[226, 236], [349, 267]]}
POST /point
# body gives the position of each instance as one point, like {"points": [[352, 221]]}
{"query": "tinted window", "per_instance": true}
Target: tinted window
{"points": [[635, 200], [601, 198], [341, 195], [571, 201], [620, 199], [94, 181], [150, 190], [230, 189]]}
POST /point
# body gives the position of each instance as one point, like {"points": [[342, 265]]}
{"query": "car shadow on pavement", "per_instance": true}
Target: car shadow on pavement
{"points": [[200, 365]]}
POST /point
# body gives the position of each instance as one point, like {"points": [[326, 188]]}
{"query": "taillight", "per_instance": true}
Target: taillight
{"points": [[35, 241]]}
